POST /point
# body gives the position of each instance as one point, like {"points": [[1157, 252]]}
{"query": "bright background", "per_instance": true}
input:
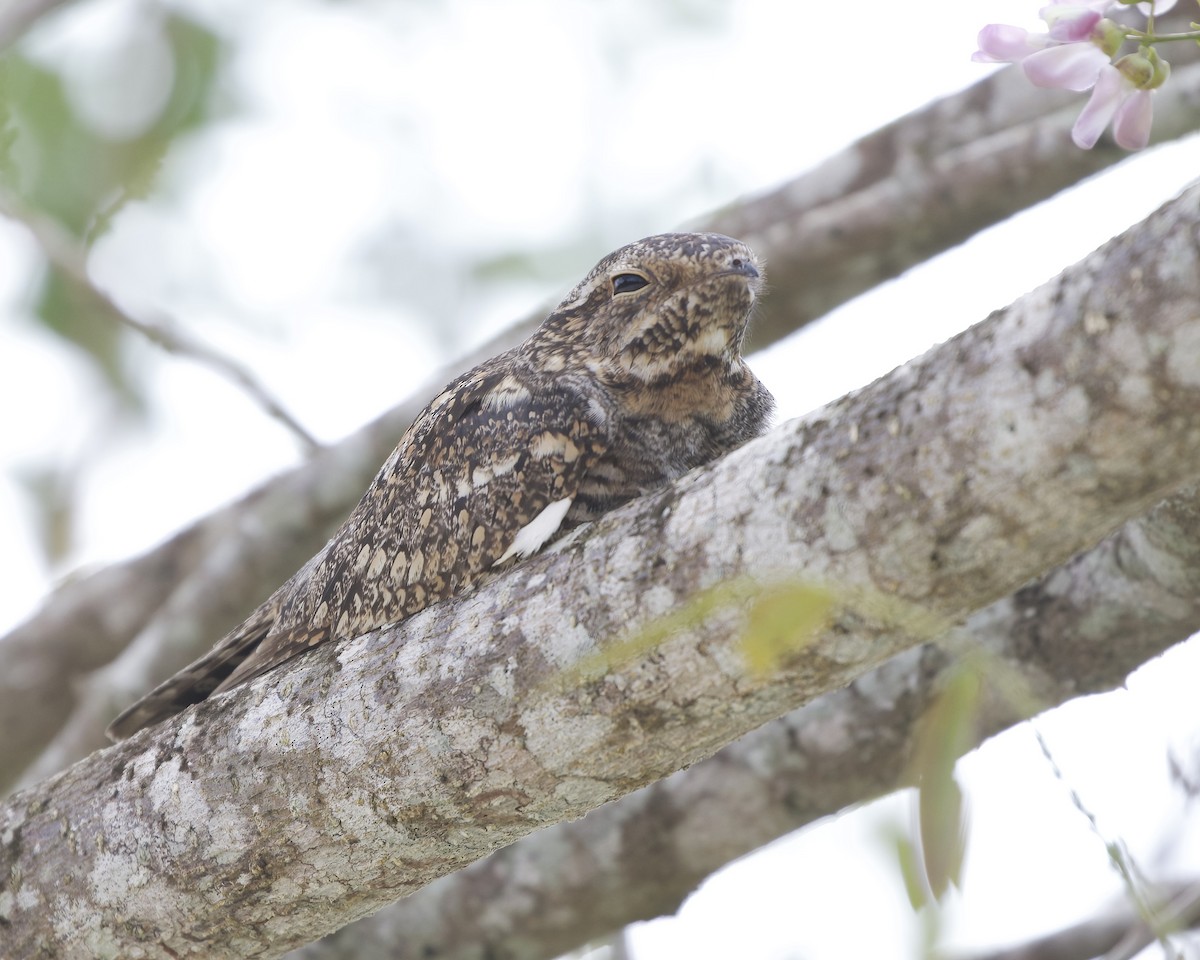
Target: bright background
{"points": [[388, 184]]}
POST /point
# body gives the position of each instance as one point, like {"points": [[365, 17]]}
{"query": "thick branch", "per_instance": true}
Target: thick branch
{"points": [[798, 228], [365, 770], [176, 598], [641, 856]]}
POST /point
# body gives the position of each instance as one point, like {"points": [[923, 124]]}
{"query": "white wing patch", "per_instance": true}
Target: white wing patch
{"points": [[536, 532], [507, 394]]}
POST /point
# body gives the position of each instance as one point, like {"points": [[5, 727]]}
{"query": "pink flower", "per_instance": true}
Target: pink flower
{"points": [[1074, 66], [1001, 43], [1076, 52], [1111, 99], [1123, 96], [1070, 54], [1073, 22]]}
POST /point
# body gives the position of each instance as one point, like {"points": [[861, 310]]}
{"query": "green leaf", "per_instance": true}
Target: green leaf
{"points": [[63, 168], [943, 833], [73, 313], [196, 52], [51, 148], [909, 862], [946, 732], [784, 619], [51, 491], [654, 634], [8, 130]]}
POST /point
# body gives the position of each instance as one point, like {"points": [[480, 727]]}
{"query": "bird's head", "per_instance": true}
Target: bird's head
{"points": [[668, 300]]}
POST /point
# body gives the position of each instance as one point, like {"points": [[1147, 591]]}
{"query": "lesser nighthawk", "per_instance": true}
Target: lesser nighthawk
{"points": [[634, 379]]}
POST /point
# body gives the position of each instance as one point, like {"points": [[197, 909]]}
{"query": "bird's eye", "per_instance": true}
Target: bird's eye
{"points": [[628, 283]]}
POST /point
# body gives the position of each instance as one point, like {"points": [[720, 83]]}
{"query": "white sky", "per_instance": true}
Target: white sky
{"points": [[466, 128]]}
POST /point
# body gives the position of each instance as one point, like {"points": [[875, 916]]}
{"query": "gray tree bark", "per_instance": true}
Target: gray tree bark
{"points": [[915, 188], [269, 816], [1077, 630]]}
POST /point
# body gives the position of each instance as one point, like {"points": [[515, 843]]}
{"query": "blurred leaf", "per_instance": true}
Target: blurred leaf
{"points": [[197, 55], [71, 172], [51, 491], [139, 181], [703, 15], [63, 168], [509, 266], [784, 619], [654, 634], [907, 859], [943, 833], [74, 313], [51, 147], [557, 263], [946, 732], [8, 131]]}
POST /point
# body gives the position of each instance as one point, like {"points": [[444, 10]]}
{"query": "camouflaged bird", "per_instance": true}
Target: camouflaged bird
{"points": [[635, 378]]}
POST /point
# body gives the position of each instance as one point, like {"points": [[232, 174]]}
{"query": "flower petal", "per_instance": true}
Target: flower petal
{"points": [[1073, 26], [1002, 43], [1111, 89], [1131, 125], [1058, 7], [1074, 66]]}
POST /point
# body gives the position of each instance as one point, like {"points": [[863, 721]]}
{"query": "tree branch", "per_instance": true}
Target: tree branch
{"points": [[641, 856], [18, 16], [68, 257], [923, 184], [1120, 933], [173, 599], [52, 652], [367, 769]]}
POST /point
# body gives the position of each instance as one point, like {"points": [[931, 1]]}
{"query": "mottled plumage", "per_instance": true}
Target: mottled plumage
{"points": [[635, 378]]}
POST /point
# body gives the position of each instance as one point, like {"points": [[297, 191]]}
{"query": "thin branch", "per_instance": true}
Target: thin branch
{"points": [[1158, 919], [17, 16], [67, 256], [1119, 933], [1119, 856], [170, 337]]}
